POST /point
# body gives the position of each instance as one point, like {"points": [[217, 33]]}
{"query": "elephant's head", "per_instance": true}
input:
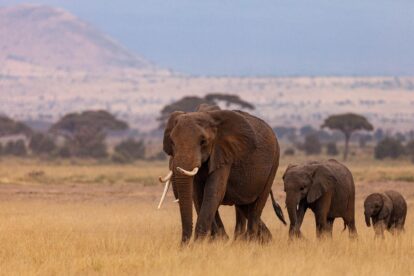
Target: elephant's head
{"points": [[304, 184], [206, 140], [377, 205]]}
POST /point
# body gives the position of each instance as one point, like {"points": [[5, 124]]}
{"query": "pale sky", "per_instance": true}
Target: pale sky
{"points": [[261, 37]]}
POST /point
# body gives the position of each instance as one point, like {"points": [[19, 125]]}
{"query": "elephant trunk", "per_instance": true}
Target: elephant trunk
{"points": [[367, 219], [184, 187], [291, 203]]}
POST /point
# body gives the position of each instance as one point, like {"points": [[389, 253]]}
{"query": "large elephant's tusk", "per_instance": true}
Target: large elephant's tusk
{"points": [[192, 173], [165, 178], [167, 186]]}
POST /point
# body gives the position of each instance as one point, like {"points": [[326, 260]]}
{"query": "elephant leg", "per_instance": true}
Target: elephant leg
{"points": [[399, 226], [198, 191], [264, 232], [240, 231], [213, 195], [353, 234], [379, 227], [217, 228], [321, 215], [300, 216], [241, 221], [256, 228], [349, 220]]}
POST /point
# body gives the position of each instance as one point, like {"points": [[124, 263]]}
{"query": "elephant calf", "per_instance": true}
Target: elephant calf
{"points": [[325, 187], [387, 211]]}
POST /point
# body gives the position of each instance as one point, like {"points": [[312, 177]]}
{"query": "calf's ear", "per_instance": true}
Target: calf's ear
{"points": [[386, 209], [322, 177]]}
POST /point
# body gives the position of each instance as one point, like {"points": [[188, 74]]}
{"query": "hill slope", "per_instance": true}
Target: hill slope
{"points": [[43, 36]]}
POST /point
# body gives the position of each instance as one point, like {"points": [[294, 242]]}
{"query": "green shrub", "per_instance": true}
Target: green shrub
{"points": [[289, 152], [128, 151], [312, 145], [16, 148], [159, 156], [389, 147], [331, 149], [42, 144], [64, 151], [409, 148]]}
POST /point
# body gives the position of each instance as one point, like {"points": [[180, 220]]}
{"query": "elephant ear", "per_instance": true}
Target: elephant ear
{"points": [[167, 144], [235, 138], [386, 207], [321, 179]]}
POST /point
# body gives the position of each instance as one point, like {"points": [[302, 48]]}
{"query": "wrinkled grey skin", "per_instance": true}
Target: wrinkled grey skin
{"points": [[237, 155], [387, 211], [325, 187]]}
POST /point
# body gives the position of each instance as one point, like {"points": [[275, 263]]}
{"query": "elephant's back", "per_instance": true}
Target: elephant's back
{"points": [[342, 172], [400, 205], [266, 138]]}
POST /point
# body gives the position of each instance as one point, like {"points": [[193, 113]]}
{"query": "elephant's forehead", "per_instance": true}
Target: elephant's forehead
{"points": [[187, 126], [295, 176], [373, 198]]}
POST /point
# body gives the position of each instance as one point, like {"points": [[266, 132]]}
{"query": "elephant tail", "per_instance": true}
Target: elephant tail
{"points": [[277, 208]]}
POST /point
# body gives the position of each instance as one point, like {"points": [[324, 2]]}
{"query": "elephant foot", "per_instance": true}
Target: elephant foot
{"points": [[221, 235], [263, 239], [293, 235], [264, 236], [201, 235], [218, 233]]}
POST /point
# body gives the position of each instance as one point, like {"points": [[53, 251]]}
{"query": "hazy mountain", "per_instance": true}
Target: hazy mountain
{"points": [[259, 38], [51, 38]]}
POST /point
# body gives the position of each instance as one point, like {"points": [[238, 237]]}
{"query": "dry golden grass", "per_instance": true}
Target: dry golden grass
{"points": [[101, 219]]}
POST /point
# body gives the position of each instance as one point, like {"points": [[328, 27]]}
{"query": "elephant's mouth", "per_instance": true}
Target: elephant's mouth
{"points": [[167, 180]]}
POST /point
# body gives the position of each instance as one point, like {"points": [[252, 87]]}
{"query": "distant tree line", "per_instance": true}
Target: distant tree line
{"points": [[312, 141], [84, 135], [80, 135]]}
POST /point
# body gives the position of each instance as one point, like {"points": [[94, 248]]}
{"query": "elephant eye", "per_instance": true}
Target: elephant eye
{"points": [[203, 142], [302, 188]]}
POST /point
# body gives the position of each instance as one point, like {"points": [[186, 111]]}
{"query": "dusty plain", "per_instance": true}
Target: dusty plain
{"points": [[80, 217]]}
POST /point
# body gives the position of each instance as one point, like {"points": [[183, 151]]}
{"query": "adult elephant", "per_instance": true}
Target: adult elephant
{"points": [[327, 188], [221, 157]]}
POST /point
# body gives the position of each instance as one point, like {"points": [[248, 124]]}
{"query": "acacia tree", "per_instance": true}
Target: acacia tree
{"points": [[347, 123], [11, 127], [85, 132], [190, 103]]}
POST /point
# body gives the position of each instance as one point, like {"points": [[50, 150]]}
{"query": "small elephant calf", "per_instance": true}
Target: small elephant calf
{"points": [[387, 211]]}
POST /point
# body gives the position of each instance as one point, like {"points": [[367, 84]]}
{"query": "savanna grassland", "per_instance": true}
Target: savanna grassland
{"points": [[99, 218]]}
